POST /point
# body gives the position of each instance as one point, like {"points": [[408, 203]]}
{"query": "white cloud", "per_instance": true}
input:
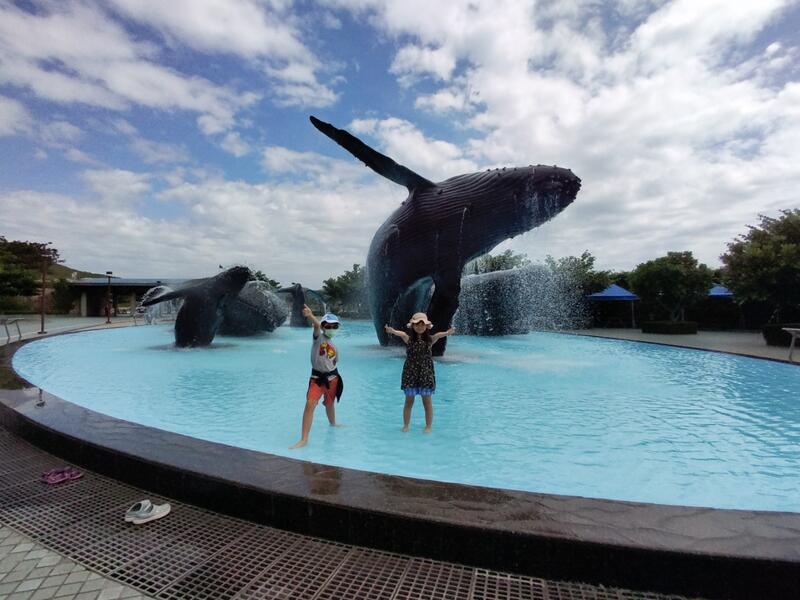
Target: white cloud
{"points": [[405, 144], [681, 131], [234, 144], [159, 152], [117, 186], [327, 171], [150, 151], [415, 60], [14, 117], [75, 53], [330, 21], [680, 128], [79, 156], [245, 28], [98, 237], [307, 230], [59, 133]]}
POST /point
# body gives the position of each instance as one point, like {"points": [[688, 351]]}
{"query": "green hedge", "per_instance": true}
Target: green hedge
{"points": [[775, 336], [669, 327]]}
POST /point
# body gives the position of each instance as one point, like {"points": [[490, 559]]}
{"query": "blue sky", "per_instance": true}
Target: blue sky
{"points": [[162, 139]]}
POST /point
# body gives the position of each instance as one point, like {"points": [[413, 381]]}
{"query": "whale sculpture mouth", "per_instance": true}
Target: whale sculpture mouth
{"points": [[543, 195]]}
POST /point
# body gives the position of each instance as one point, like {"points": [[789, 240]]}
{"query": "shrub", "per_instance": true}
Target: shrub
{"points": [[669, 327]]}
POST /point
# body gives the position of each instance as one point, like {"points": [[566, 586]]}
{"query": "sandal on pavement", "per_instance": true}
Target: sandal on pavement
{"points": [[55, 476], [138, 510], [145, 511]]}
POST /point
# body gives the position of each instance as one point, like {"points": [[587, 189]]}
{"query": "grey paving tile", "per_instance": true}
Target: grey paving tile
{"points": [[49, 560], [44, 593], [77, 577], [29, 584], [68, 590], [7, 588], [54, 580]]}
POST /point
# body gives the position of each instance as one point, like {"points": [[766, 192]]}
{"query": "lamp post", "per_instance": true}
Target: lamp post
{"points": [[41, 296], [108, 298], [45, 264]]}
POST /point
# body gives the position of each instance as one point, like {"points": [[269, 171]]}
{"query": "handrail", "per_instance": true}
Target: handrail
{"points": [[6, 322]]}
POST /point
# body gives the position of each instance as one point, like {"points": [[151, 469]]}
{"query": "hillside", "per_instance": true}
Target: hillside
{"points": [[65, 272]]}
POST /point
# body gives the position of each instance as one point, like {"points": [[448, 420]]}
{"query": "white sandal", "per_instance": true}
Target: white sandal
{"points": [[145, 511]]}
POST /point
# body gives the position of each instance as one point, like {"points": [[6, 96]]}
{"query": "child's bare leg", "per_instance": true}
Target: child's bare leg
{"points": [[330, 410], [308, 419], [407, 412], [428, 404]]}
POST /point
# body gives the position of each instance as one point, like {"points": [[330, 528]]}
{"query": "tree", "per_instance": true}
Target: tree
{"points": [[347, 293], [260, 276], [63, 298], [672, 283], [21, 265], [499, 262], [763, 265], [581, 268]]}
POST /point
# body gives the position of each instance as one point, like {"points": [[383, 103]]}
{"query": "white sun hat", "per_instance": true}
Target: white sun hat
{"points": [[420, 316]]}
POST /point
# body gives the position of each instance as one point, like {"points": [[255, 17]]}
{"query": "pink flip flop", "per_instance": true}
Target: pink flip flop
{"points": [[55, 476]]}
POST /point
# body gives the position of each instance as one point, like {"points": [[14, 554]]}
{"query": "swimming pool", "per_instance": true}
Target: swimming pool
{"points": [[541, 412]]}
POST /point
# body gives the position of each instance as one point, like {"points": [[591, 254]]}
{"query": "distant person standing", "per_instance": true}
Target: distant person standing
{"points": [[419, 377], [325, 380]]}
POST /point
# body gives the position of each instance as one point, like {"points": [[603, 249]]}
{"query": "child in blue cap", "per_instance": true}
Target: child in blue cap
{"points": [[325, 380]]}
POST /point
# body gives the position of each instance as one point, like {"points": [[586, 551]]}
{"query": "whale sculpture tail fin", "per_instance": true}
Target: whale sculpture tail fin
{"points": [[380, 163]]}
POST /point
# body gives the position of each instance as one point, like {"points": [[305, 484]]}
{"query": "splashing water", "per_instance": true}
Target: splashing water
{"points": [[531, 298], [164, 312]]}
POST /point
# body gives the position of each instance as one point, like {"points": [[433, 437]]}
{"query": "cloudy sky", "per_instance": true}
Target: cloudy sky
{"points": [[159, 138]]}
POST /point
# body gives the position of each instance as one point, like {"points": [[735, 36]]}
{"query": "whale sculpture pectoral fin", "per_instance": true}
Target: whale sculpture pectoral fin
{"points": [[444, 303], [380, 163], [188, 290], [164, 297]]}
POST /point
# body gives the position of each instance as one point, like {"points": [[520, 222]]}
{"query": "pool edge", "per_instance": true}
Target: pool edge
{"points": [[557, 537]]}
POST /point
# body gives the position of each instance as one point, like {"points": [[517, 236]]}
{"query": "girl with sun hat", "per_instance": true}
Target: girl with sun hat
{"points": [[418, 377]]}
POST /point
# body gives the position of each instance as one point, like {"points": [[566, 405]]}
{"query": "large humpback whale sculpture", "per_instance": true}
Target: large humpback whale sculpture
{"points": [[203, 305], [441, 226]]}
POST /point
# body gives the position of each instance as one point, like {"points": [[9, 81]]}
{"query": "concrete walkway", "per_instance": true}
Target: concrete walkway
{"points": [[745, 343], [29, 325], [30, 571]]}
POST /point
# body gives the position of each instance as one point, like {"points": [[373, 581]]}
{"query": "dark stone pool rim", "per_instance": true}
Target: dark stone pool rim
{"points": [[683, 550]]}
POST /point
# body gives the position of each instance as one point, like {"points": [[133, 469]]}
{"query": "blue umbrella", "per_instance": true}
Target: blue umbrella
{"points": [[719, 291], [615, 292]]}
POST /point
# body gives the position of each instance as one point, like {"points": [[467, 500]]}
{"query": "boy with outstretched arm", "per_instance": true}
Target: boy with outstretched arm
{"points": [[325, 380]]}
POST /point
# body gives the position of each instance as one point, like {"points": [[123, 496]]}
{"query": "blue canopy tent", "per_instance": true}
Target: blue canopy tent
{"points": [[615, 292], [720, 291]]}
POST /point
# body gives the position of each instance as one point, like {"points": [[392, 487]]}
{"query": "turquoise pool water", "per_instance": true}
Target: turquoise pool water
{"points": [[542, 412]]}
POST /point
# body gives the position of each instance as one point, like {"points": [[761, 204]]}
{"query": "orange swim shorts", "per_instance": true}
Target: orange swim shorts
{"points": [[317, 391]]}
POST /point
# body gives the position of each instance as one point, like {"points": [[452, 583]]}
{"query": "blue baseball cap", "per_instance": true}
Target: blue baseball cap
{"points": [[329, 318]]}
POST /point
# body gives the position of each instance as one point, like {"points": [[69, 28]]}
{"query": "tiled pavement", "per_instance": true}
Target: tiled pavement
{"points": [[69, 541], [29, 571]]}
